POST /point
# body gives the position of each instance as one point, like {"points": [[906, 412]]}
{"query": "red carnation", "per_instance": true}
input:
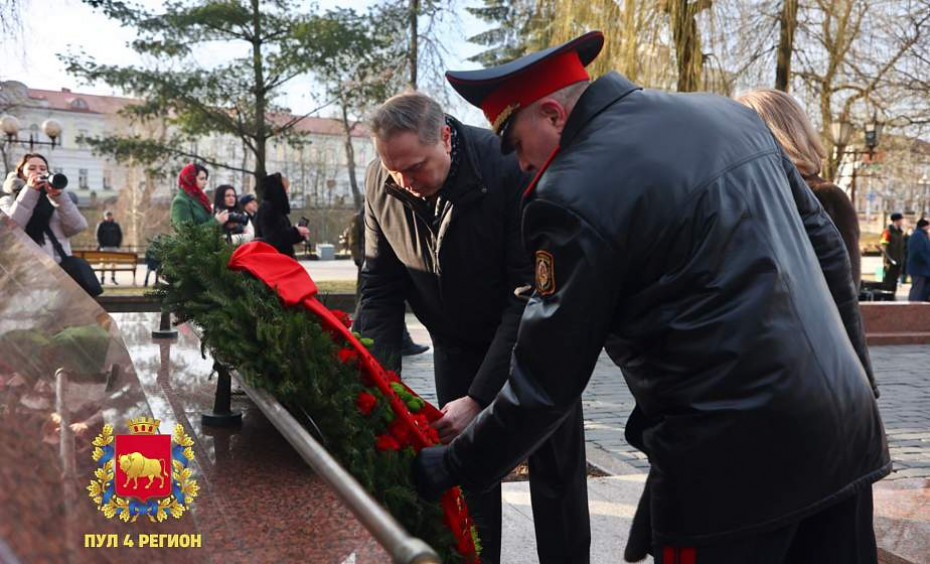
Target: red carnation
{"points": [[347, 356], [343, 317], [386, 442], [392, 376], [366, 402], [399, 430]]}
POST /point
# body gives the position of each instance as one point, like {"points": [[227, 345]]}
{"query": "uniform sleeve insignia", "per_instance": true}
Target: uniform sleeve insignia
{"points": [[143, 473], [545, 273]]}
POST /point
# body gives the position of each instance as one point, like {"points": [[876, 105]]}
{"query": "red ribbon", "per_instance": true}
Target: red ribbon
{"points": [[294, 286]]}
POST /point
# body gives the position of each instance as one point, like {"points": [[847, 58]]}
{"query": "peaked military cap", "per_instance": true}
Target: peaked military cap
{"points": [[501, 91]]}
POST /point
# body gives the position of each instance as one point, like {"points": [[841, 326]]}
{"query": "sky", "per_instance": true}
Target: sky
{"points": [[51, 27]]}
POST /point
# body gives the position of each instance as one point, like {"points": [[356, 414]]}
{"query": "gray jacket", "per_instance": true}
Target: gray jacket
{"points": [[18, 202]]}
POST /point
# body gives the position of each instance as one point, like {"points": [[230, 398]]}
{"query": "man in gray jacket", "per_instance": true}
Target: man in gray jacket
{"points": [[442, 230]]}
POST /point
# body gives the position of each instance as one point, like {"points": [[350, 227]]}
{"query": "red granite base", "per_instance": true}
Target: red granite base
{"points": [[258, 501], [902, 520], [896, 323]]}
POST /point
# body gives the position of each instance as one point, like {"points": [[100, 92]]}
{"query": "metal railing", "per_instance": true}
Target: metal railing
{"points": [[403, 548]]}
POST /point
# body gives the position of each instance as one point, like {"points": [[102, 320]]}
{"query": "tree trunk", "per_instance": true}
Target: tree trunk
{"points": [[414, 41], [788, 23], [260, 101], [833, 147], [350, 160], [630, 59], [688, 54]]}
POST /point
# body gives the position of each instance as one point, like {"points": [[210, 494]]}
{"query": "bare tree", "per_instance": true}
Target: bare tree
{"points": [[848, 58]]}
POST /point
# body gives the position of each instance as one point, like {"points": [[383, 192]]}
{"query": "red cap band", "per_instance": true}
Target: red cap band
{"points": [[519, 90]]}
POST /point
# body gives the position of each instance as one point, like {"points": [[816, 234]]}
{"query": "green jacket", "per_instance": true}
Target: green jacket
{"points": [[185, 208]]}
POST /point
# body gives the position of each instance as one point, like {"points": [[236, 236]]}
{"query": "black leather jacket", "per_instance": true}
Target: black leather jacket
{"points": [[682, 240], [457, 265]]}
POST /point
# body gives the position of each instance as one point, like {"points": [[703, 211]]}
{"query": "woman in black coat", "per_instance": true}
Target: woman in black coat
{"points": [[272, 224]]}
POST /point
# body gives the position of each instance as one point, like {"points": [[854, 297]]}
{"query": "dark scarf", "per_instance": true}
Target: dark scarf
{"points": [[187, 180], [41, 216]]}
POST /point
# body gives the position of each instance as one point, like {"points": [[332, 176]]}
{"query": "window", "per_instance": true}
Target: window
{"points": [[82, 179], [81, 133], [78, 104], [107, 183]]}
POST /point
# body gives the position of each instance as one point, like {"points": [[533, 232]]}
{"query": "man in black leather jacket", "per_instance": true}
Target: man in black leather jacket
{"points": [[442, 230], [672, 231]]}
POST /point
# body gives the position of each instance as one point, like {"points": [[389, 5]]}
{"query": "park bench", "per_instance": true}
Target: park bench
{"points": [[103, 261], [877, 291]]}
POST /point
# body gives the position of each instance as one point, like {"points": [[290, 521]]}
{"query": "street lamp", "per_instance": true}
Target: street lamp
{"points": [[10, 127], [842, 132]]}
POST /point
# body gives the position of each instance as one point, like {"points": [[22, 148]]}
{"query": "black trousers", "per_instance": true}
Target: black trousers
{"points": [[892, 273], [840, 534], [558, 486]]}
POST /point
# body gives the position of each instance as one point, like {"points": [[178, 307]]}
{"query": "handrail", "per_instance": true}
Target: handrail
{"points": [[403, 548]]}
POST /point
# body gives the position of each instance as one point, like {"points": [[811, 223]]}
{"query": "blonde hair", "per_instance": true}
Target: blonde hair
{"points": [[790, 125]]}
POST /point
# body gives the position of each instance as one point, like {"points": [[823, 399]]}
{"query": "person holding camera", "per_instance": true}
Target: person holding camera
{"points": [[32, 198], [238, 229], [272, 223]]}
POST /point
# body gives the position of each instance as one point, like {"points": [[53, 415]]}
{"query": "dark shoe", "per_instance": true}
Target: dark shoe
{"points": [[409, 348], [413, 349], [115, 283]]}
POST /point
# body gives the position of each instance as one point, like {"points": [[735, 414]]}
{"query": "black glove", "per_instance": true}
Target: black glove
{"points": [[431, 475]]}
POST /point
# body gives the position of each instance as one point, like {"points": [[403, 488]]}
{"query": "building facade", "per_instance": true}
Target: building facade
{"points": [[318, 169]]}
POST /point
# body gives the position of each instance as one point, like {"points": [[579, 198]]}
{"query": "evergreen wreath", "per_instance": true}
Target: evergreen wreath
{"points": [[311, 369]]}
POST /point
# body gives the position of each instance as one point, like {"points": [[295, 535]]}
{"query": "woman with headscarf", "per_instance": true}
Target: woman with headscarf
{"points": [[272, 224], [794, 132], [191, 203], [38, 207]]}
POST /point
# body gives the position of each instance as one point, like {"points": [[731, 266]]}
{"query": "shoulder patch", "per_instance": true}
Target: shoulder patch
{"points": [[545, 273]]}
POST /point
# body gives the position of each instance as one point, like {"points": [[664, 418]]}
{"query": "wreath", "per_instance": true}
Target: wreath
{"points": [[259, 312]]}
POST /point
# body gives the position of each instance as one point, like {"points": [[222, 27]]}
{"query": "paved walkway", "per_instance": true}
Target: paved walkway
{"points": [[902, 499], [320, 270]]}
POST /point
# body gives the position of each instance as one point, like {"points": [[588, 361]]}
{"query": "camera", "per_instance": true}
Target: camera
{"points": [[57, 180], [238, 217], [304, 222]]}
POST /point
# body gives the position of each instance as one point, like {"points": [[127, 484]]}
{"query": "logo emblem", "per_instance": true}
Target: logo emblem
{"points": [[545, 273], [143, 473]]}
